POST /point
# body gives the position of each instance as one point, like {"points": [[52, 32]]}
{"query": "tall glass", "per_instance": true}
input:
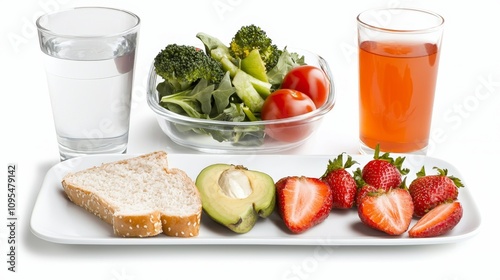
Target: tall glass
{"points": [[398, 65], [89, 55]]}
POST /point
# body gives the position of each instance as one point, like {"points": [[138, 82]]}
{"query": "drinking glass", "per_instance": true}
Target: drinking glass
{"points": [[89, 55], [399, 51]]}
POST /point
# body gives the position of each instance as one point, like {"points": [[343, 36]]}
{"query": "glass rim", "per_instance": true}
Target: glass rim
{"points": [[44, 29], [429, 29]]}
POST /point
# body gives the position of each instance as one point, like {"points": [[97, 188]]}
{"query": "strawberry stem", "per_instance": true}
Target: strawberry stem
{"points": [[421, 172], [376, 152], [403, 184], [444, 172], [338, 163], [398, 162], [358, 177], [441, 172]]}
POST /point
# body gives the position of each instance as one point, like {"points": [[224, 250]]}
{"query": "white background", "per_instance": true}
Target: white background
{"points": [[466, 129]]}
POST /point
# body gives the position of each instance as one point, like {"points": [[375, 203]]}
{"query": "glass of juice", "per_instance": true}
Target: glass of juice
{"points": [[399, 52], [89, 55]]}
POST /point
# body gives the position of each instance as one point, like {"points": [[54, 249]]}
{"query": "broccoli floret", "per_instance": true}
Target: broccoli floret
{"points": [[182, 66], [251, 37]]}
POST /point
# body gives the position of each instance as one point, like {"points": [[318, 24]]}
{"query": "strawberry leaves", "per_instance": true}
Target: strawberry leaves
{"points": [[397, 162], [338, 163], [442, 172]]}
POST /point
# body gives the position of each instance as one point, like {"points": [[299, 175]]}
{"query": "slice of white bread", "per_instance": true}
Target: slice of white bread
{"points": [[138, 196]]}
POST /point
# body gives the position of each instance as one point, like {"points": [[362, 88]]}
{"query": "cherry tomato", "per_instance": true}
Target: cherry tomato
{"points": [[286, 103], [310, 80]]}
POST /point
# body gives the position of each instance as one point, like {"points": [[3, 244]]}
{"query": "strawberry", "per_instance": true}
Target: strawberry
{"points": [[303, 202], [428, 191], [384, 171], [388, 211], [341, 182], [363, 188], [438, 221], [363, 191]]}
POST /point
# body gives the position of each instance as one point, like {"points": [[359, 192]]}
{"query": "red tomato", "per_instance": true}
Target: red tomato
{"points": [[286, 103], [310, 80]]}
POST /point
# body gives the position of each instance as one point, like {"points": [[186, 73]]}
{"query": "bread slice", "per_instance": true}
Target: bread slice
{"points": [[139, 196]]}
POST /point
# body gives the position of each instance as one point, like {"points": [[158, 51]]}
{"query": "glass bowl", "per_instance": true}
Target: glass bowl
{"points": [[245, 137]]}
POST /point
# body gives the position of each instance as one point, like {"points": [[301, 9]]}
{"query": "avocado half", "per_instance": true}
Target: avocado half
{"points": [[234, 196]]}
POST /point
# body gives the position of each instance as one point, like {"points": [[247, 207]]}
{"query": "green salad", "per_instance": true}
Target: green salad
{"points": [[227, 82]]}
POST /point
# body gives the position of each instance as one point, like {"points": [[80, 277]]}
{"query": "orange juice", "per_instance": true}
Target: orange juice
{"points": [[396, 92]]}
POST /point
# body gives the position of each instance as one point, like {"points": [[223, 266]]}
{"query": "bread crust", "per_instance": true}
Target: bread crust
{"points": [[145, 224]]}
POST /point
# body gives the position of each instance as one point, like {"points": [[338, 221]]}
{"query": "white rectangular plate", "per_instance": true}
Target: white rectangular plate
{"points": [[58, 220]]}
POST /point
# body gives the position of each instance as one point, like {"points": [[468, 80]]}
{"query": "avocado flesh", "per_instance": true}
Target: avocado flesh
{"points": [[238, 214]]}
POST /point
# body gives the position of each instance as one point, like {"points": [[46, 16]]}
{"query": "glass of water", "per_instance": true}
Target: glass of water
{"points": [[89, 55]]}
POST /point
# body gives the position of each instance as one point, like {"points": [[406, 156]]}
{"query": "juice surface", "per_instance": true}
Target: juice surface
{"points": [[396, 87]]}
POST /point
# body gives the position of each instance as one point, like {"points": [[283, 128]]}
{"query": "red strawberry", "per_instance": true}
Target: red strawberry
{"points": [[341, 182], [303, 202], [428, 191], [388, 211], [364, 191], [438, 221], [362, 187], [384, 171]]}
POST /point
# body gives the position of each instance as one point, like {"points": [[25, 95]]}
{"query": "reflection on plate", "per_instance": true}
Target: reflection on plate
{"points": [[58, 220]]}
